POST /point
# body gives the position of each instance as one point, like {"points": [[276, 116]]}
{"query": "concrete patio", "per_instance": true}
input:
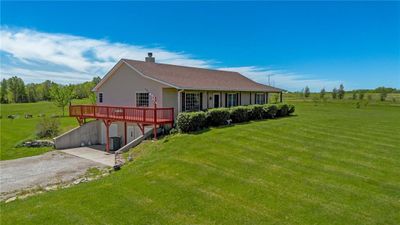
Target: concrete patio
{"points": [[95, 153]]}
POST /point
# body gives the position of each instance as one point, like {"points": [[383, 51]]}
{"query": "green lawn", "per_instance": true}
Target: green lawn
{"points": [[329, 164], [20, 129]]}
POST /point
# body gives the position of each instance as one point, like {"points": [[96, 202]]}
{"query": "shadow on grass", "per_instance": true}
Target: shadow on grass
{"points": [[237, 124]]}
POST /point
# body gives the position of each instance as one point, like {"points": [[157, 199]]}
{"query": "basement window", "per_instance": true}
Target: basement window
{"points": [[260, 98], [142, 99]]}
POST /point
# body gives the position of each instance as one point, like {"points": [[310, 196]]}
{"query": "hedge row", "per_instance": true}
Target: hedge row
{"points": [[193, 121]]}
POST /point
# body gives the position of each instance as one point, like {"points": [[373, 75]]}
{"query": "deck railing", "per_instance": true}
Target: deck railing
{"points": [[122, 113]]}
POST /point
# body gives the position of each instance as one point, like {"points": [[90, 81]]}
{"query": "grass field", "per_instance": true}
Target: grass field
{"points": [[329, 164], [17, 130]]}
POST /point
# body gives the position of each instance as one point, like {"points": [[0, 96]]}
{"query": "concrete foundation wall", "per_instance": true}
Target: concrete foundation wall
{"points": [[88, 132]]}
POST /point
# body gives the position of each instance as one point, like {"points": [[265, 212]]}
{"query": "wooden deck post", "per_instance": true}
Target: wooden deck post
{"points": [[107, 123], [125, 131], [155, 119]]}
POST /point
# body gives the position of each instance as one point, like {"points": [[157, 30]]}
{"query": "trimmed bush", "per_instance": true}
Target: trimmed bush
{"points": [[283, 110], [256, 112], [191, 121], [291, 109], [217, 117], [270, 111], [239, 114]]}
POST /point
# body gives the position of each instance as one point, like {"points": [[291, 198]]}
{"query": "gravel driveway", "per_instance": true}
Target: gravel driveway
{"points": [[40, 171]]}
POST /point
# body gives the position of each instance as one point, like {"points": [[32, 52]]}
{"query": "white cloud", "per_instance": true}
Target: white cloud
{"points": [[37, 56]]}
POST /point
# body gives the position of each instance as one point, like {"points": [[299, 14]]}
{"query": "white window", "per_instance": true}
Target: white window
{"points": [[232, 100], [100, 97], [192, 102], [142, 99], [260, 98]]}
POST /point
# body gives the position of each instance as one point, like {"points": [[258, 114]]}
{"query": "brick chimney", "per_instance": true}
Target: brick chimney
{"points": [[150, 58]]}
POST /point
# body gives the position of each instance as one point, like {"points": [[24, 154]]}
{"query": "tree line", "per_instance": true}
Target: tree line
{"points": [[339, 93], [14, 90]]}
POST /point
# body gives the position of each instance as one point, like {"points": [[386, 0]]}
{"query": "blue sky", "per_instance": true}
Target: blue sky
{"points": [[319, 44]]}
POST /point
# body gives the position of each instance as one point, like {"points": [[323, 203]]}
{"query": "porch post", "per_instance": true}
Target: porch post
{"points": [[107, 123], [155, 120], [125, 131]]}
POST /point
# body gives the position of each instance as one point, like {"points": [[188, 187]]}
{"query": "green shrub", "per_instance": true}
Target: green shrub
{"points": [[283, 110], [217, 117], [191, 121], [239, 114], [291, 109], [255, 112], [48, 127], [270, 111]]}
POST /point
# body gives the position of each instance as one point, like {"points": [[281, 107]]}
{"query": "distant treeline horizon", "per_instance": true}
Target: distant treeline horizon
{"points": [[14, 90]]}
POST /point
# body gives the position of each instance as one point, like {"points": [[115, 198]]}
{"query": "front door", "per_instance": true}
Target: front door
{"points": [[216, 101]]}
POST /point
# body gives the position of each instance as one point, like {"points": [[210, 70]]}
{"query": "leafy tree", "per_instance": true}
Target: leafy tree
{"points": [[341, 91], [45, 88], [334, 93], [92, 97], [322, 93], [383, 96], [306, 92], [361, 95], [16, 88], [62, 95], [354, 95], [31, 93], [96, 80], [3, 91]]}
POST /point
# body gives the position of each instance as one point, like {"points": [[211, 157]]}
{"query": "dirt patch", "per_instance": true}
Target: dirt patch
{"points": [[39, 172]]}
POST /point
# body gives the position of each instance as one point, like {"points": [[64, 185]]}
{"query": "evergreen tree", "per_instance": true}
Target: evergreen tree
{"points": [[341, 91], [306, 92], [334, 93], [322, 93]]}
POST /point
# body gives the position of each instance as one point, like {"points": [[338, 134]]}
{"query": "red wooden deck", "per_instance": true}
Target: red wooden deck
{"points": [[141, 115]]}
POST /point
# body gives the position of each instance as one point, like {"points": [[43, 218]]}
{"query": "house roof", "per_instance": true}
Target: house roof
{"points": [[192, 78]]}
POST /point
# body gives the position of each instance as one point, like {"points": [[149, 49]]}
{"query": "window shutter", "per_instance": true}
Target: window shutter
{"points": [[201, 100], [237, 99], [183, 102], [226, 99]]}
